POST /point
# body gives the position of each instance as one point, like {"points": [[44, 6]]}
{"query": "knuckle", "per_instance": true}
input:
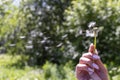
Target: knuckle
{"points": [[85, 61], [88, 55]]}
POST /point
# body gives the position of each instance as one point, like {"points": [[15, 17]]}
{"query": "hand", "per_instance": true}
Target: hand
{"points": [[91, 67]]}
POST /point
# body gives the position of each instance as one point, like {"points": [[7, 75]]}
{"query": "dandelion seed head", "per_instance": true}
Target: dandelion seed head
{"points": [[89, 34]]}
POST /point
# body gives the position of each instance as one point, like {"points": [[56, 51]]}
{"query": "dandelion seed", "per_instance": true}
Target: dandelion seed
{"points": [[29, 46], [43, 41], [64, 36], [12, 45], [91, 24], [80, 32], [46, 48], [30, 42], [22, 37], [59, 45]]}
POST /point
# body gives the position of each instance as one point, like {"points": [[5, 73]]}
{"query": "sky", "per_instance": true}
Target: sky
{"points": [[16, 2]]}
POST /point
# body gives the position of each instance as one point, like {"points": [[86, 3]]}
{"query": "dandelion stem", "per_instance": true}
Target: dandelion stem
{"points": [[94, 45], [95, 41], [95, 36]]}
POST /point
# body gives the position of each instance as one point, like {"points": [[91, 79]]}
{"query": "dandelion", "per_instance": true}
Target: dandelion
{"points": [[94, 31]]}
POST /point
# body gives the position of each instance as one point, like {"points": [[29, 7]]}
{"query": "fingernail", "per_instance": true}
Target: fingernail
{"points": [[95, 66], [90, 71], [96, 57]]}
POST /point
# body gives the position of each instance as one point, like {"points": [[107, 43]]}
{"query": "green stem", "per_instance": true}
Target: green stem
{"points": [[95, 40]]}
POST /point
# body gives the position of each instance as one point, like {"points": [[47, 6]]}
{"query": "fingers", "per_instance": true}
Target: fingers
{"points": [[91, 56], [83, 67], [88, 58], [88, 62]]}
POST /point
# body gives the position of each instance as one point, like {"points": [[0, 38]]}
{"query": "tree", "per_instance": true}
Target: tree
{"points": [[8, 22], [41, 32]]}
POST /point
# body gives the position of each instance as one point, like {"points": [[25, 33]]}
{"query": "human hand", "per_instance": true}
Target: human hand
{"points": [[90, 66]]}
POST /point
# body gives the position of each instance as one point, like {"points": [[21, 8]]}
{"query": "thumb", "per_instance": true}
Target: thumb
{"points": [[91, 48]]}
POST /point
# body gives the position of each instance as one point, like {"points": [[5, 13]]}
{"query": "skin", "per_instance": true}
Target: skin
{"points": [[86, 70]]}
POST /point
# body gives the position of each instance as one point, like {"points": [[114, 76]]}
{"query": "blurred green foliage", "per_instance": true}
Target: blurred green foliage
{"points": [[41, 32], [48, 71], [50, 30], [8, 69]]}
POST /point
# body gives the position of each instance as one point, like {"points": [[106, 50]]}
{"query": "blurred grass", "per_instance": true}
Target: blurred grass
{"points": [[8, 69], [13, 68]]}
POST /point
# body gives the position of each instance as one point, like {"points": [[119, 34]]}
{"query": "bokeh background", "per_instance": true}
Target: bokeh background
{"points": [[43, 39]]}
